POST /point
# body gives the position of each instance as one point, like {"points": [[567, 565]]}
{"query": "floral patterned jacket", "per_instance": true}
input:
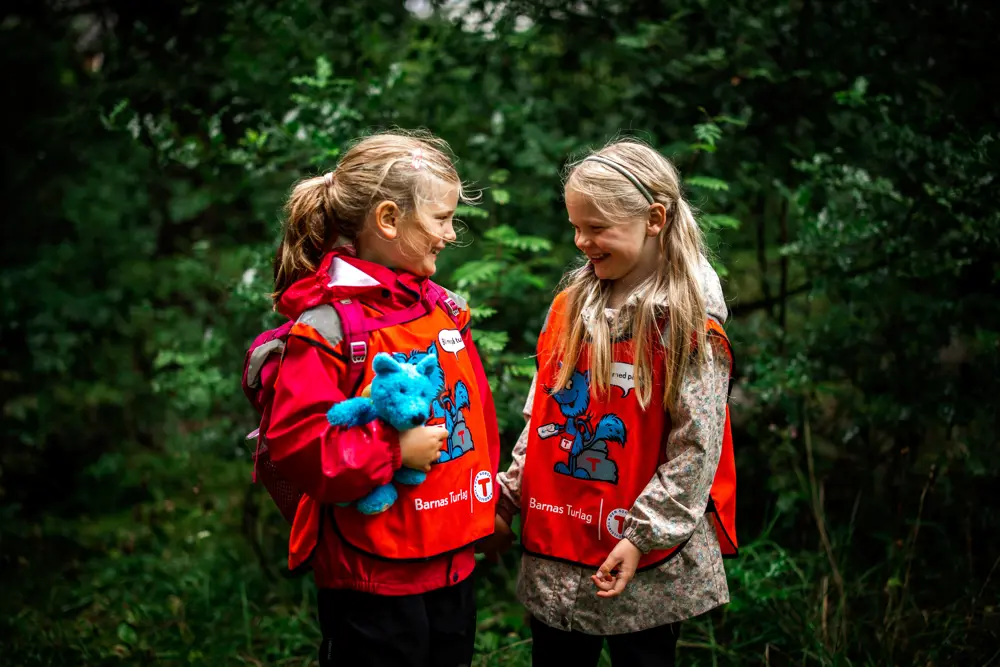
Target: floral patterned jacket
{"points": [[670, 510]]}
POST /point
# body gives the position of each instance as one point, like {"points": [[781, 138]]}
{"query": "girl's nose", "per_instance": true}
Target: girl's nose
{"points": [[449, 233]]}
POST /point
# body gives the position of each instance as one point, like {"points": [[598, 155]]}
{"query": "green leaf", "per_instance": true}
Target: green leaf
{"points": [[720, 221], [475, 272], [500, 196], [323, 68], [507, 236], [113, 119], [466, 211], [127, 634], [707, 182], [730, 120], [490, 342], [525, 370], [483, 312], [501, 234], [633, 41], [500, 176], [708, 132]]}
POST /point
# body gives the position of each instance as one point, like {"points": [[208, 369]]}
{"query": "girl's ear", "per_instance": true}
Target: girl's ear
{"points": [[387, 219], [657, 219]]}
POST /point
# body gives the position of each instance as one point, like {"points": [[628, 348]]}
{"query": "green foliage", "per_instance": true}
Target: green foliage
{"points": [[844, 170]]}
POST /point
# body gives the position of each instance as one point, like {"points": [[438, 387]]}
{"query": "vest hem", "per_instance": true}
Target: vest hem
{"points": [[390, 559], [566, 561], [720, 526]]}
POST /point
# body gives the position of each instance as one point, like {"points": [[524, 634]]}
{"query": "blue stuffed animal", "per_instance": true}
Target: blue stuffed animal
{"points": [[401, 395]]}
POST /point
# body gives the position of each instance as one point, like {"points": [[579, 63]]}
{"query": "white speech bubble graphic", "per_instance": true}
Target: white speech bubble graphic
{"points": [[451, 341], [623, 375]]}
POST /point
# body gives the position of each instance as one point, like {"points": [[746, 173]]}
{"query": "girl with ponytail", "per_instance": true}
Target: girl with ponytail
{"points": [[353, 277]]}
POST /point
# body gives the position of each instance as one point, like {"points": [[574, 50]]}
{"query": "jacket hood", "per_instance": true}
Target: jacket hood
{"points": [[341, 275], [711, 289]]}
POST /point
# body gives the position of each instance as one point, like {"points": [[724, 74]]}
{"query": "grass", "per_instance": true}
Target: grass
{"points": [[191, 575]]}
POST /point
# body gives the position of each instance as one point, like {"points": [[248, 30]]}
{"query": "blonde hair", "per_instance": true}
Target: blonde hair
{"points": [[398, 166], [674, 282]]}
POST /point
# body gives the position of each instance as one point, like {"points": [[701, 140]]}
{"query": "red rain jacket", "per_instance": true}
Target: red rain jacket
{"points": [[333, 464]]}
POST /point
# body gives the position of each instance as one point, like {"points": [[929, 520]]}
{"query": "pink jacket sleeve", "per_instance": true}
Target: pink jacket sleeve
{"points": [[331, 464]]}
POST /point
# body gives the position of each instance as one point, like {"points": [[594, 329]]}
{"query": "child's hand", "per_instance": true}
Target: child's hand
{"points": [[625, 557], [421, 446], [497, 543]]}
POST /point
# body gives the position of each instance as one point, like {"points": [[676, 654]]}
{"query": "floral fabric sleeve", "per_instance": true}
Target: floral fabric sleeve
{"points": [[510, 481]]}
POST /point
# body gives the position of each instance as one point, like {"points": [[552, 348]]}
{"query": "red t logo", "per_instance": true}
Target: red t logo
{"points": [[620, 520], [483, 487], [593, 463]]}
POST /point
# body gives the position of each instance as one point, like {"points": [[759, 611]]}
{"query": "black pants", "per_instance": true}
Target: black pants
{"points": [[557, 648], [433, 629]]}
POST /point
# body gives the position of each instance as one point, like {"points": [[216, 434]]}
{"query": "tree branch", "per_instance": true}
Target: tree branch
{"points": [[741, 309]]}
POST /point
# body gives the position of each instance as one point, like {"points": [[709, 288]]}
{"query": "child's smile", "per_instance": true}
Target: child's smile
{"points": [[617, 250]]}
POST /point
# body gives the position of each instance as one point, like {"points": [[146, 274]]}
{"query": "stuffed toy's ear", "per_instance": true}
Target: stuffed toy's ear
{"points": [[383, 364], [428, 364]]}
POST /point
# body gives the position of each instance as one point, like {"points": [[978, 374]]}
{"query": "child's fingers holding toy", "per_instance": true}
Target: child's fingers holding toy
{"points": [[420, 447]]}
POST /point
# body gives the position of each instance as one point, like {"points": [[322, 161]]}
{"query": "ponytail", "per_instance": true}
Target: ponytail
{"points": [[311, 227]]}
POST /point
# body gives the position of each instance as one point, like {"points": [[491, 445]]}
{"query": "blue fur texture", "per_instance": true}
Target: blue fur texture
{"points": [[401, 395]]}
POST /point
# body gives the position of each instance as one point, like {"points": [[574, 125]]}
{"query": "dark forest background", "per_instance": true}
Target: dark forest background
{"points": [[843, 155]]}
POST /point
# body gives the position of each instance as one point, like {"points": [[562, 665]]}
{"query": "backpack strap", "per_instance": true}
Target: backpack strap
{"points": [[344, 321], [355, 326], [447, 300], [355, 337]]}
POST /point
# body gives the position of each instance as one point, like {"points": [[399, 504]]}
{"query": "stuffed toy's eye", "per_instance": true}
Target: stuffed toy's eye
{"points": [[402, 390]]}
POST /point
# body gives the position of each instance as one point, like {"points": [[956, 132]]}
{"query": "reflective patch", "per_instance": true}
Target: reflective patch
{"points": [[459, 301], [258, 357], [325, 321]]}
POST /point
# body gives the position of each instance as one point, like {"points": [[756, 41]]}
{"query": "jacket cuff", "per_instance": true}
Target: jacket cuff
{"points": [[506, 509], [395, 453], [635, 537]]}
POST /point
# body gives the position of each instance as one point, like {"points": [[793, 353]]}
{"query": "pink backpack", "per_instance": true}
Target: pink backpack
{"points": [[260, 369]]}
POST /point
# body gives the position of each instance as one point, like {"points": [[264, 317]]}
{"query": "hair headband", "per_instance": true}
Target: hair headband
{"points": [[624, 172]]}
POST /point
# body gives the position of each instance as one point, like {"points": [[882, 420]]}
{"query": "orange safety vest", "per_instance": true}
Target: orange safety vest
{"points": [[588, 459], [454, 506]]}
